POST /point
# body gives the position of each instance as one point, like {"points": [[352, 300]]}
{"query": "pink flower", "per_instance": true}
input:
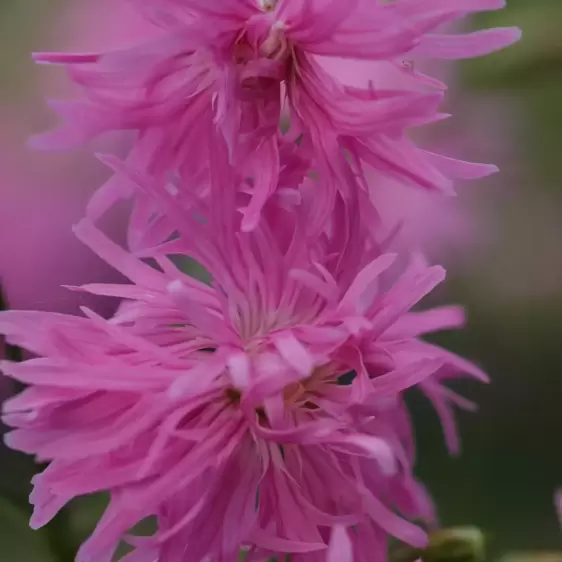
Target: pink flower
{"points": [[219, 408], [236, 64]]}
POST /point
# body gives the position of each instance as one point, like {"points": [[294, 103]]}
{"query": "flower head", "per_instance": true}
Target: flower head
{"points": [[234, 65], [221, 409]]}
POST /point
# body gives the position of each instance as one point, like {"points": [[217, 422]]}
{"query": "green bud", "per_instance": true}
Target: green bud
{"points": [[457, 544]]}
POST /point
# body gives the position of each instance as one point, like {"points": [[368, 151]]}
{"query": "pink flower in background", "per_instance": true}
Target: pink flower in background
{"points": [[40, 200], [558, 505], [44, 195], [227, 419]]}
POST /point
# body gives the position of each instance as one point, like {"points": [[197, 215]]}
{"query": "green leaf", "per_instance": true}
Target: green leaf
{"points": [[456, 544], [17, 540]]}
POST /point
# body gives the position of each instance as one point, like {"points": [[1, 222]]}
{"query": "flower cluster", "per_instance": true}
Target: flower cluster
{"points": [[260, 406]]}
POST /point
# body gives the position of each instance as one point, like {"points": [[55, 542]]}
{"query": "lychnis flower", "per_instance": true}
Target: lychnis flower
{"points": [[263, 411], [231, 67]]}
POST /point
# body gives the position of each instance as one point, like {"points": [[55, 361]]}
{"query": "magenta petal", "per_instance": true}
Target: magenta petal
{"points": [[476, 44], [340, 548]]}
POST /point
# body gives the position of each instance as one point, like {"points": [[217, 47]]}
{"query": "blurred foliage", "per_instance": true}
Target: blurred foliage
{"points": [[511, 464], [20, 22], [533, 58], [531, 71], [18, 541], [532, 556]]}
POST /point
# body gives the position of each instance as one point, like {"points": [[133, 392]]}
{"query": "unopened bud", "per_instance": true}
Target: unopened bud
{"points": [[457, 544]]}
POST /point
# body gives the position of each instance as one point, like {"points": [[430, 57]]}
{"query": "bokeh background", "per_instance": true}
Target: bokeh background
{"points": [[500, 240]]}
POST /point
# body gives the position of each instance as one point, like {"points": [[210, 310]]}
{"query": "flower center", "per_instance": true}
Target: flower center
{"points": [[267, 5], [262, 64], [301, 395]]}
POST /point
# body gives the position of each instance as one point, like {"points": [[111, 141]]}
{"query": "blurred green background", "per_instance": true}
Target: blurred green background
{"points": [[508, 109]]}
